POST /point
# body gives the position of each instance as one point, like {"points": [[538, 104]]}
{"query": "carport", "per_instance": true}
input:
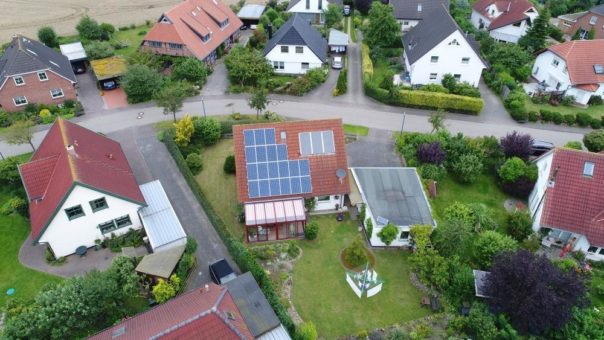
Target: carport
{"points": [[250, 14], [74, 52], [161, 224], [108, 68], [160, 265], [338, 41]]}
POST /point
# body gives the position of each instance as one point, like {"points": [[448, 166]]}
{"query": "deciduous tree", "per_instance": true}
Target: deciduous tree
{"points": [[171, 98], [21, 132], [594, 141], [247, 67], [48, 36], [184, 131], [383, 30], [141, 83], [89, 29], [258, 100], [517, 144], [333, 15], [192, 70], [490, 243], [437, 119]]}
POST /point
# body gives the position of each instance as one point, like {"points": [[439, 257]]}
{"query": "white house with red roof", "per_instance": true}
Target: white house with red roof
{"points": [[194, 28], [80, 188], [575, 68], [281, 164], [506, 20], [567, 200]]}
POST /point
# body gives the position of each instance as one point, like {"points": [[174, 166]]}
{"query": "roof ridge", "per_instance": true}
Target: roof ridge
{"points": [[63, 131]]}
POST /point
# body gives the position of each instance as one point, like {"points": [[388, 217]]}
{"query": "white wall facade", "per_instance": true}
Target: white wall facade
{"points": [[326, 203], [375, 239], [313, 8], [64, 236], [509, 33], [535, 201], [451, 53], [292, 61], [478, 18], [552, 69], [407, 25]]}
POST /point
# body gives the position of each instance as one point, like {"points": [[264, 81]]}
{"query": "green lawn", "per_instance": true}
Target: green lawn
{"points": [[134, 37], [219, 187], [597, 279], [594, 111], [484, 191], [321, 294], [27, 282], [356, 130]]}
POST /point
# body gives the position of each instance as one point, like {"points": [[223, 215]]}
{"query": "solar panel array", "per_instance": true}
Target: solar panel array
{"points": [[269, 171]]}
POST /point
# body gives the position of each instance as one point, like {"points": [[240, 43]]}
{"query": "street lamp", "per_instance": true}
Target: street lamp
{"points": [[403, 125], [204, 107]]}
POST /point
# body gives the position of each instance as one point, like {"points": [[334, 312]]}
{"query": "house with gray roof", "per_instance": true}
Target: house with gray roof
{"points": [[437, 46], [392, 195], [409, 13], [296, 47], [31, 72], [311, 10]]}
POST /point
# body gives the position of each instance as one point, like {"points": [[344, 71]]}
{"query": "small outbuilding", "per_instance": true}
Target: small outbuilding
{"points": [[480, 280], [250, 14], [338, 41], [108, 68], [74, 52], [160, 265]]}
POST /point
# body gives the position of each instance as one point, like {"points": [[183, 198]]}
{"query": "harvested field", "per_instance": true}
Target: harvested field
{"points": [[27, 16]]}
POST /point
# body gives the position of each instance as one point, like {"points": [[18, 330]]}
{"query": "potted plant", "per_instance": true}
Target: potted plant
{"points": [[97, 244]]}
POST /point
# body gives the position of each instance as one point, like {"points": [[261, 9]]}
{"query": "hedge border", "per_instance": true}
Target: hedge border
{"points": [[238, 251]]}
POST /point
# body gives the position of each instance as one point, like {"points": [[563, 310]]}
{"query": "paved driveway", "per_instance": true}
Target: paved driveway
{"points": [[218, 81], [374, 150], [150, 160], [88, 93]]}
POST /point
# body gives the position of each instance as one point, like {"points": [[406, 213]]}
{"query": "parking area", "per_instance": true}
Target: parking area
{"points": [[114, 99], [374, 150], [88, 93]]}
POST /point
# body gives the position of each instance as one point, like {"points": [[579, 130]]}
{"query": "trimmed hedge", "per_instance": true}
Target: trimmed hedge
{"points": [[238, 251], [367, 63], [426, 100]]}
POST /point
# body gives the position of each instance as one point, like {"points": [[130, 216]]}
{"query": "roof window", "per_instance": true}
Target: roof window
{"points": [[588, 169], [419, 7], [599, 69]]}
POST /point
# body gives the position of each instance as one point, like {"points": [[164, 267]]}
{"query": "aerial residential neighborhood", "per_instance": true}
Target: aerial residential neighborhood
{"points": [[302, 169]]}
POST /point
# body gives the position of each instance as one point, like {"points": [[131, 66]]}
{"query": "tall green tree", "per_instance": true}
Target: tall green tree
{"points": [[247, 67], [48, 36], [534, 39], [333, 15], [89, 29], [383, 30], [141, 83], [192, 70], [258, 100], [21, 132], [171, 98]]}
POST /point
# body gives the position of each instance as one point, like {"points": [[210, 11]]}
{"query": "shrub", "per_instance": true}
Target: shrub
{"points": [[519, 225], [48, 37], [9, 172], [369, 228], [432, 171], [595, 100], [342, 84], [583, 119], [141, 83], [207, 130], [467, 168], [512, 169], [311, 230], [515, 103], [306, 331], [190, 69], [532, 116], [367, 63], [594, 141], [546, 115], [229, 165], [430, 153], [569, 119], [99, 50], [195, 163], [574, 144], [191, 245], [516, 145], [355, 254], [434, 88], [558, 118], [595, 123], [388, 233], [18, 205], [490, 243]]}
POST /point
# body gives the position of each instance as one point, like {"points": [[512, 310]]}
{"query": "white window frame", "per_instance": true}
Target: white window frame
{"points": [[301, 49], [278, 65], [55, 97], [19, 77], [305, 66], [588, 169], [22, 104], [434, 59], [465, 60], [593, 20], [456, 76], [45, 76], [555, 62], [433, 76], [286, 48]]}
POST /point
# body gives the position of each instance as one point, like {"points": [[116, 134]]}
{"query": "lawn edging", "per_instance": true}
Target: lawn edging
{"points": [[238, 251]]}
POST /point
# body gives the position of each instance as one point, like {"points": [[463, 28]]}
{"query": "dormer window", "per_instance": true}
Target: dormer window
{"points": [[224, 23], [555, 62], [588, 169], [19, 80], [205, 38], [454, 42], [599, 69]]}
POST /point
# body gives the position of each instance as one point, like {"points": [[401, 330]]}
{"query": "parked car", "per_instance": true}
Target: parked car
{"points": [[253, 27], [221, 272], [347, 10], [79, 67], [109, 85], [337, 63], [243, 28], [540, 147]]}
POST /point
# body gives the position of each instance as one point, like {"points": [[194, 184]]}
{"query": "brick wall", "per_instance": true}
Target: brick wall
{"points": [[165, 50], [35, 91], [583, 23]]}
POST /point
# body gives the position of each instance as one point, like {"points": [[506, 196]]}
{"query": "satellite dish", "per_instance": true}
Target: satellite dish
{"points": [[341, 173]]}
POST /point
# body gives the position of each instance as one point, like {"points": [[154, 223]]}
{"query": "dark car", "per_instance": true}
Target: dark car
{"points": [[79, 67], [540, 147], [109, 85], [221, 272]]}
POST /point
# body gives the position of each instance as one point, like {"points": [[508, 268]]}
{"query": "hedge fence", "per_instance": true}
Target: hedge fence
{"points": [[238, 251], [367, 63]]}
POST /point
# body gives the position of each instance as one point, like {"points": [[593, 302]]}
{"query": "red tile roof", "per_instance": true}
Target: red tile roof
{"points": [[575, 201], [580, 57], [322, 167], [191, 19], [94, 161], [513, 11], [199, 314]]}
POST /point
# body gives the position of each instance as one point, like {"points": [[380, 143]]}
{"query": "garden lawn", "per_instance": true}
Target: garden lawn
{"points": [[597, 279], [219, 187], [134, 37], [596, 111], [484, 190], [356, 130], [27, 282], [321, 294]]}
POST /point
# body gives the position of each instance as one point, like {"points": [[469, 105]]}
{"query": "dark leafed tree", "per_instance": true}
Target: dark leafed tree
{"points": [[535, 295], [517, 145]]}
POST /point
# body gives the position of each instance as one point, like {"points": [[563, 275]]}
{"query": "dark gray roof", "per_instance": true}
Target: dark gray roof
{"points": [[432, 31], [24, 55], [258, 314], [298, 31], [416, 9], [598, 9], [394, 194]]}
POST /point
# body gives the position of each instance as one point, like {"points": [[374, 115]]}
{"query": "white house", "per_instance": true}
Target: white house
{"points": [[437, 46], [409, 13], [80, 188], [311, 10], [506, 20], [574, 67], [393, 195], [567, 200], [296, 47]]}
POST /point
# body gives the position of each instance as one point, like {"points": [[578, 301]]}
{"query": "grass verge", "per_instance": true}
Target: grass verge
{"points": [[321, 294], [594, 111], [356, 130]]}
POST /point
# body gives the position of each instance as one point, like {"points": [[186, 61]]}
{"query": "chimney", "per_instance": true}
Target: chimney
{"points": [[75, 142], [71, 150], [269, 30]]}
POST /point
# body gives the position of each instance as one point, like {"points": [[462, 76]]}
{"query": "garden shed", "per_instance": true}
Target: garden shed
{"points": [[161, 224], [393, 196], [108, 68]]}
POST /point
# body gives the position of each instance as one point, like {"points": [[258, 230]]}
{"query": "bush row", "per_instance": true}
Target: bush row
{"points": [[238, 251], [367, 63], [581, 119], [342, 84], [426, 100]]}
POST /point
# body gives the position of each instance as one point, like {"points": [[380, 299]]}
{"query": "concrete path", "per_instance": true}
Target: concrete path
{"points": [[150, 160], [218, 81], [494, 111]]}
